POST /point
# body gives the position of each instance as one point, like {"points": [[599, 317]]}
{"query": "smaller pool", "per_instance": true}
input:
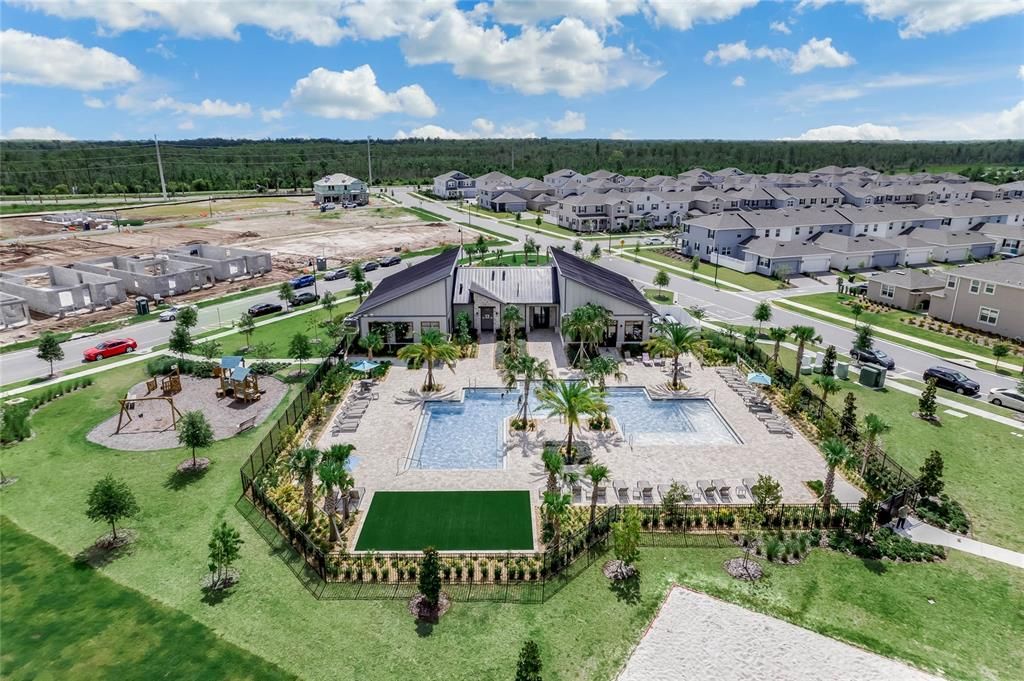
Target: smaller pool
{"points": [[466, 434], [667, 422]]}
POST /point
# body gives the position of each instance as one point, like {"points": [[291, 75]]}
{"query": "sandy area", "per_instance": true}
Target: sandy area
{"points": [[696, 637], [150, 428]]}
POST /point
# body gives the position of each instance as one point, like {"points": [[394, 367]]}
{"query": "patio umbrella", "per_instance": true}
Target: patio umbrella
{"points": [[757, 378], [365, 366]]}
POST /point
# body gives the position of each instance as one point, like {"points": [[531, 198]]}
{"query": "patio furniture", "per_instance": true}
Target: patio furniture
{"points": [[645, 491], [627, 358], [621, 490], [645, 359], [723, 490], [708, 490]]}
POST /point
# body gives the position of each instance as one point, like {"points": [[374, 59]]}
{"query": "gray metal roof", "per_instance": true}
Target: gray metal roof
{"points": [[506, 284], [410, 279], [600, 279], [910, 279]]}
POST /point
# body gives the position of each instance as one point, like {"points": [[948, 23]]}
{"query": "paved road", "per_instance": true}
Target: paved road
{"points": [[727, 306]]}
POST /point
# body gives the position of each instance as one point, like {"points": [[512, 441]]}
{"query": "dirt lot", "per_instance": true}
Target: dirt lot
{"points": [[343, 236]]}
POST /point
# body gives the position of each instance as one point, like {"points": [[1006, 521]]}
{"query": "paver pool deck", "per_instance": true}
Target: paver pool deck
{"points": [[696, 636], [385, 438]]}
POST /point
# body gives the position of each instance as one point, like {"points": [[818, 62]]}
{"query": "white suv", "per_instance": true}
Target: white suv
{"points": [[1007, 397], [171, 313]]}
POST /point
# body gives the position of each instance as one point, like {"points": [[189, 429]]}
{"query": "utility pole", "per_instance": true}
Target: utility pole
{"points": [[513, 160], [160, 167], [369, 164]]}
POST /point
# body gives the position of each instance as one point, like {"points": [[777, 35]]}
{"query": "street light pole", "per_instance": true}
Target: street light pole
{"points": [[715, 252]]}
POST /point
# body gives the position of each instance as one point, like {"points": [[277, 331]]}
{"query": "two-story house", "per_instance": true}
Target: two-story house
{"points": [[341, 188], [987, 296], [455, 185]]}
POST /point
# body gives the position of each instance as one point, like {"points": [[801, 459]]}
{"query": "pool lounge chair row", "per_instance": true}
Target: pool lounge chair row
{"points": [[351, 412], [755, 401]]}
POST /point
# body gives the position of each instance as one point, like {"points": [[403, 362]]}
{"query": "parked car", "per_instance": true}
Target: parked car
{"points": [[390, 261], [110, 348], [261, 309], [654, 241], [1006, 397], [305, 298], [951, 379], [348, 204], [873, 356], [324, 207], [336, 274], [303, 281], [370, 266], [171, 313]]}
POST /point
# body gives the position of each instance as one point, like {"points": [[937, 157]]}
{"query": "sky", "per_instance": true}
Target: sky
{"points": [[626, 69]]}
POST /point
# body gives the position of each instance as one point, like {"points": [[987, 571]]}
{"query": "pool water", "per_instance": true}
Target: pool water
{"points": [[468, 434]]}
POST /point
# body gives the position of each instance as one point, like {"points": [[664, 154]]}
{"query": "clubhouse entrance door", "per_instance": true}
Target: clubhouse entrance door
{"points": [[541, 317], [487, 319]]}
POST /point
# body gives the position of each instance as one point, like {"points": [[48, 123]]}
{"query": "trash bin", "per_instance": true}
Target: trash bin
{"points": [[142, 306], [881, 377], [842, 370], [321, 264], [869, 377]]}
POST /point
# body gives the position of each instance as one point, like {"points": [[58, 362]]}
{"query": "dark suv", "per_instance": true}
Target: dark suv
{"points": [[950, 379], [261, 309], [390, 261], [873, 356]]}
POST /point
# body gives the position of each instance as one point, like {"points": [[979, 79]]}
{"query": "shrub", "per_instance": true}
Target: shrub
{"points": [[15, 425], [896, 547], [773, 548]]}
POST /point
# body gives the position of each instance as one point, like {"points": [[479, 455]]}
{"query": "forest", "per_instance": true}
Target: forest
{"points": [[39, 167]]}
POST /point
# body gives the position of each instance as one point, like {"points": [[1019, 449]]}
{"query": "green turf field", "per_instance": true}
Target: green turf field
{"points": [[448, 521]]}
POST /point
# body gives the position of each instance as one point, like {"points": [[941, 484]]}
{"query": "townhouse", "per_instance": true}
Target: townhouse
{"points": [[987, 296]]}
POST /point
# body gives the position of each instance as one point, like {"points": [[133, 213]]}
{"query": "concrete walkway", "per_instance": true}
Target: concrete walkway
{"points": [[923, 533]]}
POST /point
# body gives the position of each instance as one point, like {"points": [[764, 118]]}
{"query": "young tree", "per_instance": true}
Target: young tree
{"points": [[848, 419], [767, 494], [828, 386], [762, 314], [626, 541], [262, 350], [300, 349], [864, 340], [750, 337], [225, 548], [538, 221], [110, 500], [828, 361], [286, 293], [329, 301], [529, 666], [864, 520], [836, 454], [577, 246], [1000, 350], [595, 252], [432, 348], [803, 335], [856, 309], [778, 335], [362, 288], [194, 431], [180, 340], [926, 404], [661, 280], [597, 474], [209, 349], [187, 316], [430, 576], [694, 266], [49, 349], [247, 325], [929, 481]]}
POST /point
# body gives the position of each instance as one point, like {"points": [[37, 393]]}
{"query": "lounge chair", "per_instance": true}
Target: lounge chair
{"points": [[645, 491], [621, 490], [708, 490], [659, 361], [349, 427], [645, 359], [723, 490], [627, 359]]}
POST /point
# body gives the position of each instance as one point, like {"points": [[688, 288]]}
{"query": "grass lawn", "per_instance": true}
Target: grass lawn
{"points": [[448, 521], [19, 208], [584, 632], [510, 258], [484, 230], [660, 296], [834, 303], [486, 212], [425, 215], [280, 333], [64, 619], [752, 281]]}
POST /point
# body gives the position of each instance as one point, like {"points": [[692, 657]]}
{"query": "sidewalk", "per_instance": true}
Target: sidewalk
{"points": [[923, 533]]}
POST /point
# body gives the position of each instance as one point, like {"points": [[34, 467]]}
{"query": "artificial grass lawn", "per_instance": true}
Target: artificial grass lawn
{"points": [[752, 281], [584, 632], [448, 521], [63, 619]]}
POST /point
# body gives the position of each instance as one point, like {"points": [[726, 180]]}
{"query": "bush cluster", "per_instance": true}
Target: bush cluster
{"points": [[945, 513], [885, 543], [15, 425]]}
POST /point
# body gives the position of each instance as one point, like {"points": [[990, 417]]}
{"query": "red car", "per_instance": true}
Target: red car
{"points": [[109, 348]]}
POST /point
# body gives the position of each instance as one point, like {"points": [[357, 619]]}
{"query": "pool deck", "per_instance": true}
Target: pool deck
{"points": [[385, 437]]}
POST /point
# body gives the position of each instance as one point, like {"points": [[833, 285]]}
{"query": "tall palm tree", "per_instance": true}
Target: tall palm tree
{"points": [[673, 340], [586, 327], [302, 464], [802, 335], [331, 473], [828, 386], [554, 466], [341, 453], [874, 426], [371, 342], [596, 473], [601, 367], [572, 400], [433, 347], [556, 508], [836, 454], [511, 319], [531, 370], [778, 335]]}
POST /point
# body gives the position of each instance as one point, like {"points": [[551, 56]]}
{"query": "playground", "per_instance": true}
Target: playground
{"points": [[145, 418]]}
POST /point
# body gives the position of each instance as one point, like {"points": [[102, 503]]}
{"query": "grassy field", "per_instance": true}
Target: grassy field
{"points": [[754, 282], [425, 215], [585, 631], [64, 619], [665, 297], [484, 230], [19, 208], [280, 333], [448, 521]]}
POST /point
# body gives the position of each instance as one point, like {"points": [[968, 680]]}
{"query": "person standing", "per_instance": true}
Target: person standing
{"points": [[903, 514]]}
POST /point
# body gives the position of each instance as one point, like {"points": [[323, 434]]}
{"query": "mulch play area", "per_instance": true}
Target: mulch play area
{"points": [[150, 425], [448, 521]]}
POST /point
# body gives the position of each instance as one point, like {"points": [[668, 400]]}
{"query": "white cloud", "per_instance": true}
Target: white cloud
{"points": [[269, 115], [59, 62], [379, 19], [727, 53], [1005, 124], [355, 95], [779, 27], [161, 50], [481, 128], [186, 124], [209, 108], [93, 102], [1020, 71], [683, 14], [621, 134], [805, 95], [45, 133], [918, 18], [569, 58], [601, 13], [815, 53], [739, 81], [571, 121]]}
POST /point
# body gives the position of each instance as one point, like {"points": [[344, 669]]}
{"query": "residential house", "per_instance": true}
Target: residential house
{"points": [[1009, 238], [905, 289], [858, 252], [341, 188], [987, 296], [454, 185], [954, 246]]}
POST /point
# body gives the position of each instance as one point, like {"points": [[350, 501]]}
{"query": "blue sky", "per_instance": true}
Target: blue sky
{"points": [[731, 69]]}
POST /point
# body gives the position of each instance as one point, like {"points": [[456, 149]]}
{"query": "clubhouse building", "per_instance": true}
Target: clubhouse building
{"points": [[431, 295]]}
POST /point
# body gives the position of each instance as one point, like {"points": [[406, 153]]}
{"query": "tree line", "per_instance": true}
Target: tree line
{"points": [[42, 167]]}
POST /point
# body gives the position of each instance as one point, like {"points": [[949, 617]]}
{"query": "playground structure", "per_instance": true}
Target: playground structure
{"points": [[237, 380], [130, 404], [169, 384]]}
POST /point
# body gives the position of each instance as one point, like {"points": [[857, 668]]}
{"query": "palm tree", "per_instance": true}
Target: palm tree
{"points": [[433, 347], [596, 473], [874, 426], [331, 474], [828, 386], [836, 454], [601, 367], [531, 370], [302, 464], [340, 454], [673, 340], [556, 508], [778, 335], [802, 335], [554, 466], [371, 342], [571, 400], [512, 319], [586, 326]]}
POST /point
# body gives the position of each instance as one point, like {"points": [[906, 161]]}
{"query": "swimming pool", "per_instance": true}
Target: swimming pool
{"points": [[467, 434]]}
